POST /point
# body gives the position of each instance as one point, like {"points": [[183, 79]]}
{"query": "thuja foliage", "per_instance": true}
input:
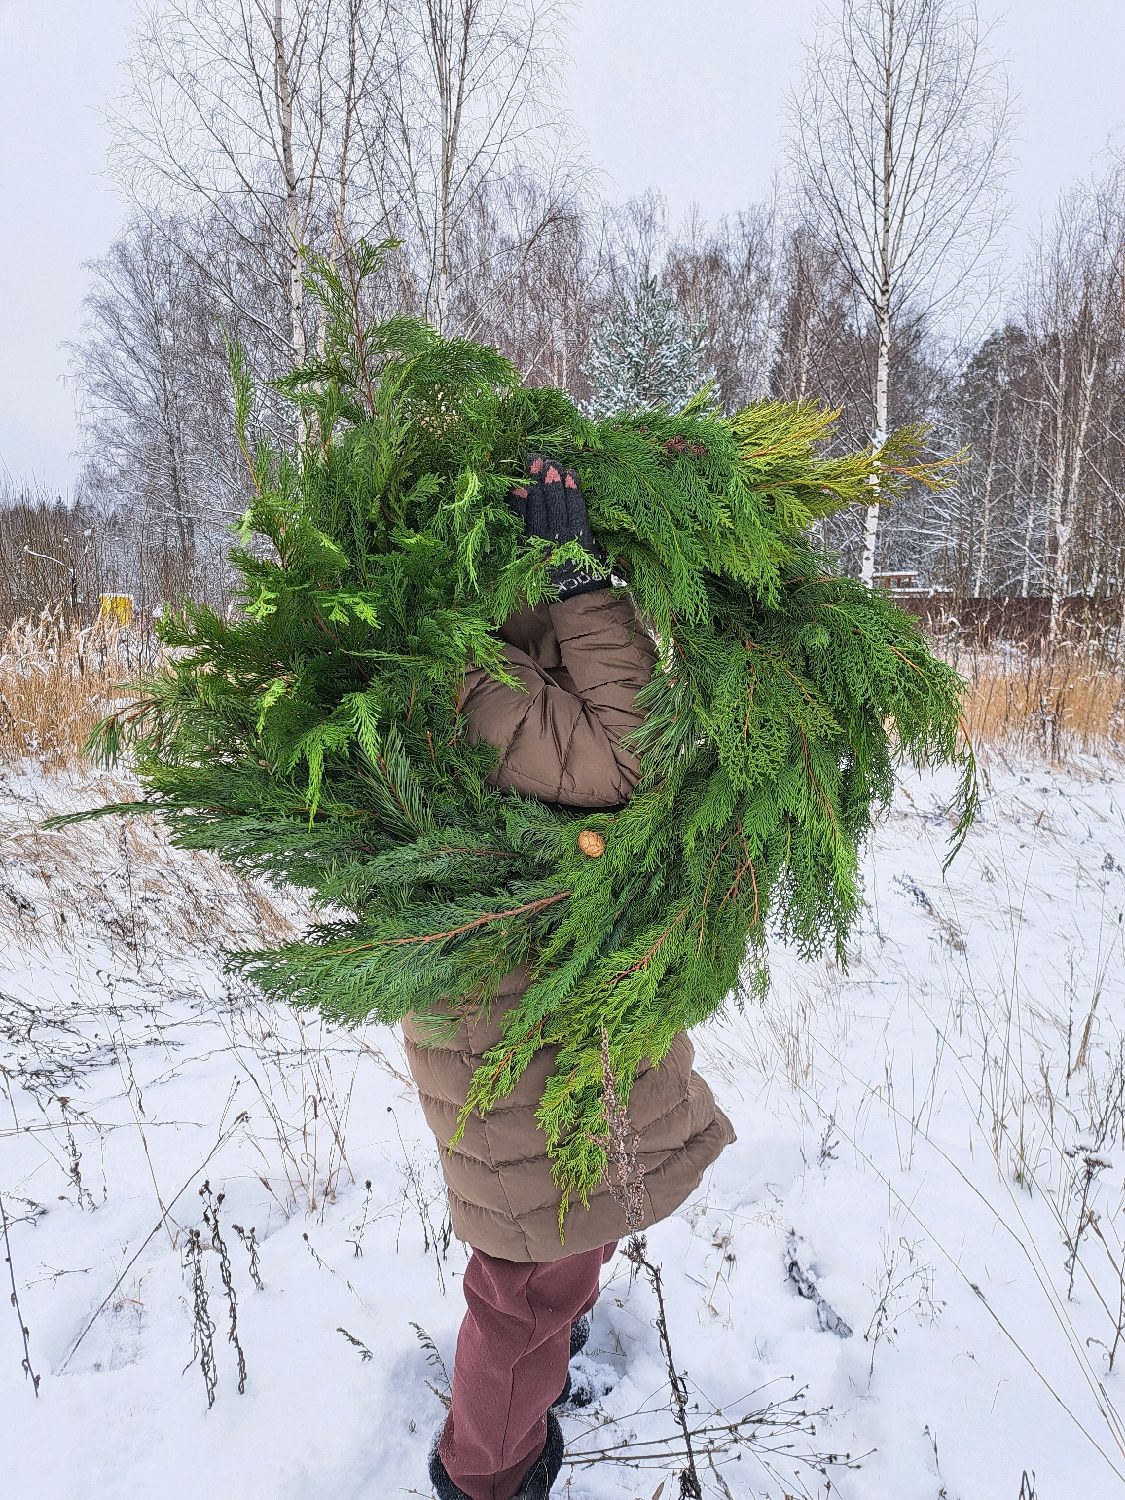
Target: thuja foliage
{"points": [[315, 736]]}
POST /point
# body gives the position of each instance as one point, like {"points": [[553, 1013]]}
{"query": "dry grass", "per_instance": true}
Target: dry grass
{"points": [[57, 680], [123, 881], [1049, 702]]}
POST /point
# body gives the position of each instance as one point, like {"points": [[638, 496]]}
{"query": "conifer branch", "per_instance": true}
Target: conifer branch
{"points": [[451, 932], [651, 952], [319, 735]]}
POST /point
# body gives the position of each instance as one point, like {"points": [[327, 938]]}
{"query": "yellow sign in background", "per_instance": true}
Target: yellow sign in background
{"points": [[118, 608]]}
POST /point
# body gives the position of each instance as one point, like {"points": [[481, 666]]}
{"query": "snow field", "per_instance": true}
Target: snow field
{"points": [[930, 1144]]}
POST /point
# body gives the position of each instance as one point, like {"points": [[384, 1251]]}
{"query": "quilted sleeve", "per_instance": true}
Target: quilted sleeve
{"points": [[581, 662]]}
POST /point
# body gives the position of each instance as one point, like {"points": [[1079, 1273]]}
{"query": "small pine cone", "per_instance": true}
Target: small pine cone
{"points": [[591, 843]]}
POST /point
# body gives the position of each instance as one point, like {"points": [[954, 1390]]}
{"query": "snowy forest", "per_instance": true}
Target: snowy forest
{"points": [[228, 1243], [868, 281]]}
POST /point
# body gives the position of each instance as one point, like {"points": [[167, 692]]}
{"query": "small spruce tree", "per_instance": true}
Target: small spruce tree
{"points": [[644, 354]]}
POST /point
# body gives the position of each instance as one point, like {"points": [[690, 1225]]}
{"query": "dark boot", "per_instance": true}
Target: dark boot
{"points": [[536, 1483], [579, 1336]]}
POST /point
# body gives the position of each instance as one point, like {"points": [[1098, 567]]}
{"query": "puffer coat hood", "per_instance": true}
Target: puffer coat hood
{"points": [[582, 661]]}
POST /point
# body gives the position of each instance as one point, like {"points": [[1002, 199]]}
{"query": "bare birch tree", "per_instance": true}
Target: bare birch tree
{"points": [[537, 277], [152, 388], [469, 104], [1075, 311], [251, 131], [898, 131], [247, 109], [333, 117]]}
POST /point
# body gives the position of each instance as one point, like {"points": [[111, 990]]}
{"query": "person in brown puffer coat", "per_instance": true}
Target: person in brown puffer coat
{"points": [[581, 661]]}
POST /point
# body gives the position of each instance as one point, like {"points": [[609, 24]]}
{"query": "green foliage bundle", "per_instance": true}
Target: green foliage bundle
{"points": [[315, 737]]}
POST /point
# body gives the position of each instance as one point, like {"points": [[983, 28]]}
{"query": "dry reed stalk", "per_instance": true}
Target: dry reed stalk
{"points": [[58, 679], [1049, 701]]}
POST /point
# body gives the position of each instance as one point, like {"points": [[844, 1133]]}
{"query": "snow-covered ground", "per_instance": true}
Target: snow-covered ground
{"points": [[931, 1142]]}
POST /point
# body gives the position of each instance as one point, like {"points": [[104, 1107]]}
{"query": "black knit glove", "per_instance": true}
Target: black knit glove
{"points": [[550, 504]]}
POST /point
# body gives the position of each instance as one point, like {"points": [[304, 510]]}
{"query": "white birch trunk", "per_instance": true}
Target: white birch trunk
{"points": [[882, 279], [1032, 507], [1058, 532], [1065, 508], [986, 520], [284, 96], [871, 516]]}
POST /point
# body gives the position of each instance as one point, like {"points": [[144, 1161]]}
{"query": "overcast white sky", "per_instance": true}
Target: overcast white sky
{"points": [[684, 95]]}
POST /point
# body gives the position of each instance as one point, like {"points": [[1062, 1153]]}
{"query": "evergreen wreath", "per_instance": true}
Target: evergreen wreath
{"points": [[314, 737]]}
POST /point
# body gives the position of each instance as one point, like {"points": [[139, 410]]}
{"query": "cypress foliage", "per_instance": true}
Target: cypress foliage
{"points": [[315, 737]]}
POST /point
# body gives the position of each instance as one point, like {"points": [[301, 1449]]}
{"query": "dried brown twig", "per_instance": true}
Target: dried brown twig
{"points": [[689, 1477], [212, 1203], [434, 1359], [15, 1301], [202, 1324], [623, 1168]]}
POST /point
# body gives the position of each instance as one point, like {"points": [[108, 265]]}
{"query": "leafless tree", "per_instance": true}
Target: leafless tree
{"points": [[537, 280], [247, 109], [988, 540], [823, 354], [814, 328], [137, 374], [49, 554], [159, 461], [469, 103], [315, 120], [898, 134], [1074, 306], [727, 280], [253, 130]]}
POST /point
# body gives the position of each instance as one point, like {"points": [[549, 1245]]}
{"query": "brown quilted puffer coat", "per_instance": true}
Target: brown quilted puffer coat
{"points": [[582, 661]]}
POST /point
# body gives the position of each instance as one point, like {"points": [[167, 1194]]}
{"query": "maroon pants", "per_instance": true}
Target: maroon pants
{"points": [[512, 1355]]}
